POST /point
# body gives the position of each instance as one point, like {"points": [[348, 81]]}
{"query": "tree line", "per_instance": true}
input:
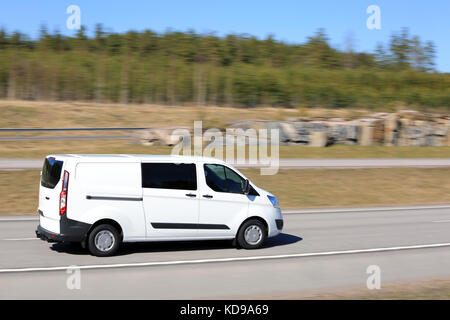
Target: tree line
{"points": [[237, 70]]}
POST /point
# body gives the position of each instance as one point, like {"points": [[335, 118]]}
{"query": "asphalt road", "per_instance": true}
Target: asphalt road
{"points": [[318, 250], [7, 164]]}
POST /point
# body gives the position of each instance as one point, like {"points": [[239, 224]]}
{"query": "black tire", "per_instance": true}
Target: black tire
{"points": [[110, 231], [241, 238]]}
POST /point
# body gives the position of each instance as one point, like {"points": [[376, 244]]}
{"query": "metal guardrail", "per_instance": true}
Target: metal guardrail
{"points": [[65, 138], [18, 137], [70, 129]]}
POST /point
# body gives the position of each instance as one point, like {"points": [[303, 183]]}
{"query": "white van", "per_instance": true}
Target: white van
{"points": [[103, 200]]}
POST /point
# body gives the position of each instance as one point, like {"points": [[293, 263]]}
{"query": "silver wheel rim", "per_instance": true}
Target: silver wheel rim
{"points": [[104, 240], [253, 234]]}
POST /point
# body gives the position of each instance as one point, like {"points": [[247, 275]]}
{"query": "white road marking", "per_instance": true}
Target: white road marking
{"points": [[439, 221], [19, 219], [369, 209], [20, 239], [201, 261]]}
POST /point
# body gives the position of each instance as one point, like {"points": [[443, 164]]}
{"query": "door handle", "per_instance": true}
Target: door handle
{"points": [[207, 196], [47, 198], [191, 195]]}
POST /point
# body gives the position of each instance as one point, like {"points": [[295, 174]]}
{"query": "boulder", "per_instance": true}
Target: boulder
{"points": [[289, 132], [284, 136], [160, 136], [318, 139], [366, 135], [343, 133], [391, 129]]}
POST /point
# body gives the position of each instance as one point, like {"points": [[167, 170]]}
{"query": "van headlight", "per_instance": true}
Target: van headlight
{"points": [[274, 201]]}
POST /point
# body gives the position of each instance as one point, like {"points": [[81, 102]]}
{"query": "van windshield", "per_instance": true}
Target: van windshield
{"points": [[51, 172]]}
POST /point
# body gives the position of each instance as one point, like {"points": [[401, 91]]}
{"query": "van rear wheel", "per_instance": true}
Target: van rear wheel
{"points": [[104, 240], [252, 234]]}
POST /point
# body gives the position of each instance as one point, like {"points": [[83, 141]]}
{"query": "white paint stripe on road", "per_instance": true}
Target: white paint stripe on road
{"points": [[4, 219], [20, 239], [234, 259], [441, 221], [369, 209]]}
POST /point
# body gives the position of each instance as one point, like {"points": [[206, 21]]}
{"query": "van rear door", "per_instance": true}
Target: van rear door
{"points": [[50, 188]]}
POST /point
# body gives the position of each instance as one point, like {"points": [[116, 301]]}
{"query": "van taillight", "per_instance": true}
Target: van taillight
{"points": [[63, 194]]}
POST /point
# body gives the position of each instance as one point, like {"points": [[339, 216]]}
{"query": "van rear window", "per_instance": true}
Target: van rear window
{"points": [[169, 176], [51, 172]]}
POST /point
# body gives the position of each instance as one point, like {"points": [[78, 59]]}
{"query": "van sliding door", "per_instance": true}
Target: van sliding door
{"points": [[170, 198]]}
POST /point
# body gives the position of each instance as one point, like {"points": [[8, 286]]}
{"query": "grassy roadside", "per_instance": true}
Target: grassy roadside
{"points": [[356, 187], [32, 114], [294, 188], [434, 289], [430, 289]]}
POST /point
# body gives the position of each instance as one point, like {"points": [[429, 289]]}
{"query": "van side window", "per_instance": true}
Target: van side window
{"points": [[169, 176], [235, 181], [215, 177], [223, 179]]}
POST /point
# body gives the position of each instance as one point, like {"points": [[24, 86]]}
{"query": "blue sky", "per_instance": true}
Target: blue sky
{"points": [[289, 20]]}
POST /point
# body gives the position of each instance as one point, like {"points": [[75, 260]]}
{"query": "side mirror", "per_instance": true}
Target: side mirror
{"points": [[246, 187]]}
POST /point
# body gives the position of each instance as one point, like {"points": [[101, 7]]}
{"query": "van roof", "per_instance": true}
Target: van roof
{"points": [[133, 157]]}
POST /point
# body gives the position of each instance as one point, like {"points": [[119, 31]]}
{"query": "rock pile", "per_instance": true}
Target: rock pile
{"points": [[405, 128]]}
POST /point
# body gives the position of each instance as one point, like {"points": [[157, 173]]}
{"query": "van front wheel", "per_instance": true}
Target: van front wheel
{"points": [[104, 240], [252, 234]]}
